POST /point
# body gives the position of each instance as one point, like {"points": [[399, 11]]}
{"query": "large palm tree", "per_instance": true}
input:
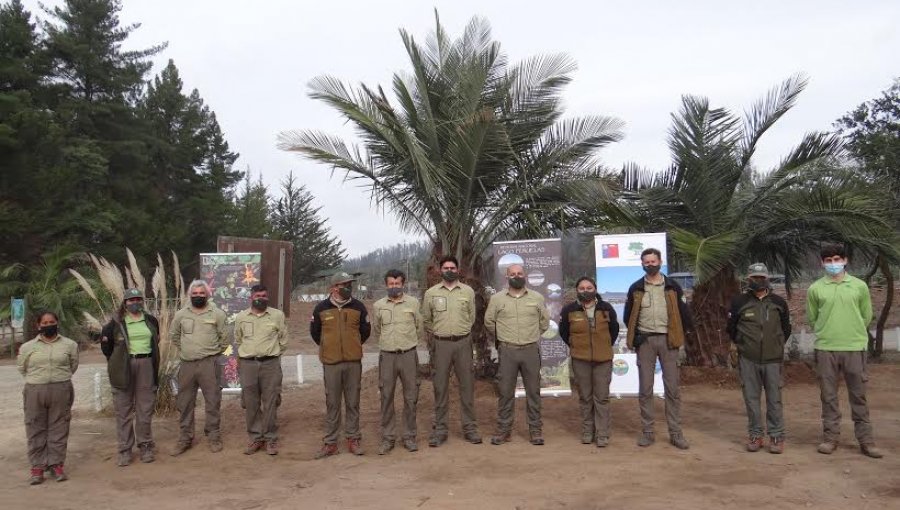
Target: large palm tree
{"points": [[472, 149], [722, 213]]}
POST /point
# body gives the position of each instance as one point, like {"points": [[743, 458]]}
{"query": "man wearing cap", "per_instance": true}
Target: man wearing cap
{"points": [[759, 323], [397, 324], [260, 334], [198, 332], [516, 316], [448, 313], [339, 326]]}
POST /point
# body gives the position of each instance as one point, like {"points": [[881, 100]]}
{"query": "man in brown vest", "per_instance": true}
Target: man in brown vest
{"points": [[339, 326]]}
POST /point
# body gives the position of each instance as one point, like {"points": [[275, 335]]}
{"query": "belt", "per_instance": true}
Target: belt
{"points": [[399, 351], [136, 356], [518, 346], [258, 358], [451, 338]]}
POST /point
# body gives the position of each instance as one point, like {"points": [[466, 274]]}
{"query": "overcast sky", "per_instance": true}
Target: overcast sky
{"points": [[252, 61]]}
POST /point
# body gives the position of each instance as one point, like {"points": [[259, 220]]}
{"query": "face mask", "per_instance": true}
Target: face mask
{"points": [[260, 303], [834, 268], [198, 301], [585, 297], [395, 292], [517, 282], [756, 285], [345, 292], [50, 331], [450, 276], [651, 270], [134, 307]]}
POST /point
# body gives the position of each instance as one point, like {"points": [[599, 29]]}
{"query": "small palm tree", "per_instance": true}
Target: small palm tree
{"points": [[722, 213]]}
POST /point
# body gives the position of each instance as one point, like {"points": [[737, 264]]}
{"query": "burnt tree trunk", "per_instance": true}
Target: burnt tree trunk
{"points": [[709, 345]]}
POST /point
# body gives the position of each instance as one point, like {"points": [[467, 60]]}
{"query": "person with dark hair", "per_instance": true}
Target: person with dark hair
{"points": [[448, 313], [130, 342], [590, 328], [340, 326], [260, 334], [397, 324], [759, 323], [839, 307], [47, 363], [657, 319]]}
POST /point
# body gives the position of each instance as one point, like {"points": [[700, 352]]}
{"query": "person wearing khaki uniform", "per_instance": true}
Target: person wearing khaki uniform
{"points": [[198, 332], [47, 363], [448, 313], [657, 318], [397, 324], [260, 334], [339, 326], [517, 316], [130, 342], [589, 327]]}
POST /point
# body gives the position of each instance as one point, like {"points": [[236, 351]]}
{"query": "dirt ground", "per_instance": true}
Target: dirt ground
{"points": [[714, 473]]}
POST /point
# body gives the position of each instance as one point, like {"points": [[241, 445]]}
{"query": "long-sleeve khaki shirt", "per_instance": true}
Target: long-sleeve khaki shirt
{"points": [[43, 362], [199, 335], [397, 324], [449, 312], [260, 335], [517, 320]]}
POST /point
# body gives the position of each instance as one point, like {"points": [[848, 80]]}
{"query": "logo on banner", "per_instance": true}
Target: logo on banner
{"points": [[620, 367], [610, 251]]}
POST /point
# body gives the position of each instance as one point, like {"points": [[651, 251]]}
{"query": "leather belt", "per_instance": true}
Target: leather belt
{"points": [[451, 338], [258, 358], [399, 351], [137, 356]]}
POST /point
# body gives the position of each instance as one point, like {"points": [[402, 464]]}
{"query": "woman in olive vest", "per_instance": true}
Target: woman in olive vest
{"points": [[130, 342], [47, 363]]}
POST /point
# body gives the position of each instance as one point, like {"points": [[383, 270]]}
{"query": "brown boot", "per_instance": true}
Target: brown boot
{"points": [[827, 447], [754, 444], [181, 447], [537, 437], [37, 476], [147, 454], [354, 447], [776, 445], [869, 450], [254, 446], [327, 450], [272, 447], [59, 473]]}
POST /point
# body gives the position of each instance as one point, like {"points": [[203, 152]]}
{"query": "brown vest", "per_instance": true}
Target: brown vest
{"points": [[586, 343], [341, 340]]}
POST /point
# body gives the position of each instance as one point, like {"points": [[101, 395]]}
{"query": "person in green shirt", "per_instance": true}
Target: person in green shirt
{"points": [[47, 363], [840, 309]]}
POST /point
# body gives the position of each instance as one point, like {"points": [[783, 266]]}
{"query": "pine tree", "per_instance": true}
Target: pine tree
{"points": [[251, 211]]}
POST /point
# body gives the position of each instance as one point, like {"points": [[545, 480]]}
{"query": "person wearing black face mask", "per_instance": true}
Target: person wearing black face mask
{"points": [[589, 327], [47, 363], [759, 323], [130, 342], [340, 325], [198, 332], [657, 318], [260, 334]]}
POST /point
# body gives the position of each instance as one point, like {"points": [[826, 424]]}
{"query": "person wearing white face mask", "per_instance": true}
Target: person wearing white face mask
{"points": [[840, 309]]}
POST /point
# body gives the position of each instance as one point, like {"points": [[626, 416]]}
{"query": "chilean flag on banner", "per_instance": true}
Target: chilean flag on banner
{"points": [[610, 251]]}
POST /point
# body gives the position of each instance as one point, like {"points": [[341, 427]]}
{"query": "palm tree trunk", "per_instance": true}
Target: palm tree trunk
{"points": [[709, 345]]}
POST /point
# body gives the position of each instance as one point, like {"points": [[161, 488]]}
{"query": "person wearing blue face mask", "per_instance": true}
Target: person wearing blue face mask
{"points": [[840, 309]]}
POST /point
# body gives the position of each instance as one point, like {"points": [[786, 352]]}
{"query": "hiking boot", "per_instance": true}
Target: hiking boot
{"points": [[410, 444], [678, 441], [59, 473], [181, 447], [869, 450], [776, 445], [327, 450], [827, 447], [254, 446], [386, 446], [500, 438], [602, 442], [124, 458], [436, 440], [215, 445], [147, 455], [354, 447], [37, 476], [473, 437], [537, 438], [646, 439], [587, 437], [272, 447], [754, 444]]}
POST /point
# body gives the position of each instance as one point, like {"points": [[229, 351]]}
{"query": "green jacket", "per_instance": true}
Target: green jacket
{"points": [[759, 327]]}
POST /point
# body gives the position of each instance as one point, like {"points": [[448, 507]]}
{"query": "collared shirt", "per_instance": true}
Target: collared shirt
{"points": [[260, 335], [654, 316], [43, 362], [199, 335], [139, 335], [840, 312], [517, 320], [449, 311], [397, 324]]}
